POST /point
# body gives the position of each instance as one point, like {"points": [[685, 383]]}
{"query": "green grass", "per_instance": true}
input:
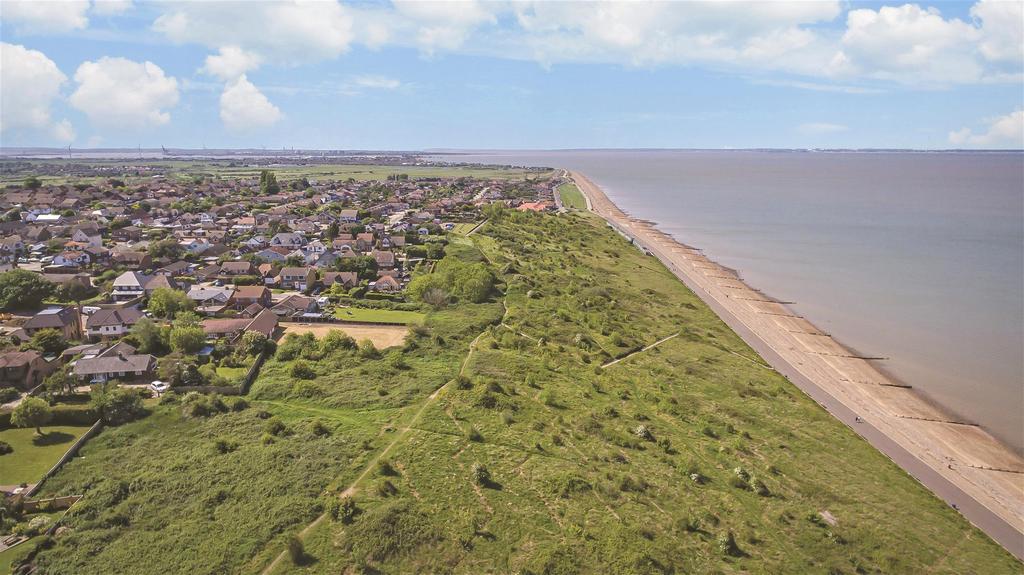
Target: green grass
{"points": [[379, 315], [573, 489], [232, 374], [34, 455], [571, 196], [464, 228], [14, 554]]}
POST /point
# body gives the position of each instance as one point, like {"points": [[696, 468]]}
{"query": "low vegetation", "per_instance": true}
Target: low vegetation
{"points": [[509, 447]]}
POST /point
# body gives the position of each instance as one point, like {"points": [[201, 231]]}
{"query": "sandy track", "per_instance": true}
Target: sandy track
{"points": [[962, 464], [382, 336]]}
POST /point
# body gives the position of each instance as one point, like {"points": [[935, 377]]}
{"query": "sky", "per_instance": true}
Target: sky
{"points": [[411, 75]]}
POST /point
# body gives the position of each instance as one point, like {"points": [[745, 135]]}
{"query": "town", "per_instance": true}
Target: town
{"points": [[93, 272]]}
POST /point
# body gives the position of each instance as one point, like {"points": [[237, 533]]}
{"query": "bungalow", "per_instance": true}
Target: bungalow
{"points": [[364, 241], [118, 362], [133, 259], [63, 319], [112, 322], [347, 280], [288, 240], [264, 322], [210, 299], [24, 369], [239, 268], [385, 260], [386, 283], [349, 216], [248, 295], [295, 305], [176, 269], [300, 279]]}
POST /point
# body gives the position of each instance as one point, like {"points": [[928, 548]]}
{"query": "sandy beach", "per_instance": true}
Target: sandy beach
{"points": [[957, 460]]}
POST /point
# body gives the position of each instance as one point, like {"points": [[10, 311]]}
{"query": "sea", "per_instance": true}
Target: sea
{"points": [[916, 257]]}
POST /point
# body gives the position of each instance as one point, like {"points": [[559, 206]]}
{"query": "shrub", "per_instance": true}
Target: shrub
{"points": [[480, 474], [367, 350], [296, 551], [473, 434], [223, 446], [8, 394], [463, 382], [643, 432], [301, 370], [386, 489], [239, 404], [727, 544], [275, 426], [5, 448], [384, 467], [319, 429]]}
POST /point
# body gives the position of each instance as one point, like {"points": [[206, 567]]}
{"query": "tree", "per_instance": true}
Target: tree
{"points": [[115, 404], [33, 183], [268, 183], [48, 341], [22, 289], [187, 339], [59, 383], [253, 342], [32, 412], [167, 302], [74, 291], [150, 336], [364, 266], [332, 230], [168, 248]]}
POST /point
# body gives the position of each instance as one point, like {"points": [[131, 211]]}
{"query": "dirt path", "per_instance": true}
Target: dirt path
{"points": [[372, 464], [641, 350]]}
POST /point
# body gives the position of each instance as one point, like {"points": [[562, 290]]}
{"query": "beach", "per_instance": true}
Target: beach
{"points": [[956, 459]]}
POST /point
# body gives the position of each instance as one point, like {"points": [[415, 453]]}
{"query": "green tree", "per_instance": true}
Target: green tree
{"points": [[332, 230], [32, 412], [33, 183], [115, 404], [48, 341], [168, 248], [167, 302], [22, 289], [268, 183], [253, 343], [364, 266], [187, 340], [74, 291], [150, 336], [59, 383]]}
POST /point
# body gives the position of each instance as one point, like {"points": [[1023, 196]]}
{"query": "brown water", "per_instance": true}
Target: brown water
{"points": [[916, 257]]}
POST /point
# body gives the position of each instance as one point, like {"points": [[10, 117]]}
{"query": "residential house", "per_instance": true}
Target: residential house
{"points": [[238, 268], [287, 240], [264, 322], [72, 259], [129, 286], [349, 216], [24, 369], [210, 300], [62, 319], [385, 260], [386, 283], [248, 295], [348, 280], [132, 259], [119, 362], [107, 323], [296, 306], [301, 279]]}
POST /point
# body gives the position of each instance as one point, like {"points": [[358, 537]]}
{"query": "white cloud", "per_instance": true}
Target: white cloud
{"points": [[1003, 132], [289, 32], [820, 128], [377, 82], [41, 16], [121, 93], [1003, 23], [111, 7], [244, 108], [29, 83], [231, 62]]}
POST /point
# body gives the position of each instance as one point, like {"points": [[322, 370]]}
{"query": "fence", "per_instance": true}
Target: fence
{"points": [[253, 372], [67, 456], [338, 321], [51, 504], [221, 389]]}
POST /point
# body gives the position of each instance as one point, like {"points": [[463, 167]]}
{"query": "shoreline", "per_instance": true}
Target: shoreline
{"points": [[958, 461]]}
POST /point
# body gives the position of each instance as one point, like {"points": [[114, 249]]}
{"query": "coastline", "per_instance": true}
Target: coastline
{"points": [[957, 460]]}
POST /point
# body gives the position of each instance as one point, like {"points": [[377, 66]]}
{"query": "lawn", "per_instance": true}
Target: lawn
{"points": [[367, 315], [464, 228], [34, 455], [234, 375], [571, 196]]}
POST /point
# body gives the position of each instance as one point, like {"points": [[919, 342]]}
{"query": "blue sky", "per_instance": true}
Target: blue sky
{"points": [[379, 75]]}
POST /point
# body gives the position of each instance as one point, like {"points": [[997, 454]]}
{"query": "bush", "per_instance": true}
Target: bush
{"points": [[8, 394], [643, 432], [481, 475], [296, 551], [727, 544], [473, 434], [5, 448], [275, 426], [301, 370]]}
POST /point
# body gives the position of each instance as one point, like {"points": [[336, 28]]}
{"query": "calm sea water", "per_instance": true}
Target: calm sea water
{"points": [[917, 257]]}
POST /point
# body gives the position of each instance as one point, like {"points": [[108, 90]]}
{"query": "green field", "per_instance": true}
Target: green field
{"points": [[464, 228], [379, 315], [284, 171], [690, 457], [234, 375], [34, 455], [571, 196]]}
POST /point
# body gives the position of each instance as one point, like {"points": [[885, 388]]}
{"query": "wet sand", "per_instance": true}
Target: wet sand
{"points": [[956, 459]]}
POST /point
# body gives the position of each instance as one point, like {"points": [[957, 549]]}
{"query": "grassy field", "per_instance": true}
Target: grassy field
{"points": [[34, 455], [493, 441], [234, 375], [284, 171], [571, 196], [464, 228], [367, 315]]}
